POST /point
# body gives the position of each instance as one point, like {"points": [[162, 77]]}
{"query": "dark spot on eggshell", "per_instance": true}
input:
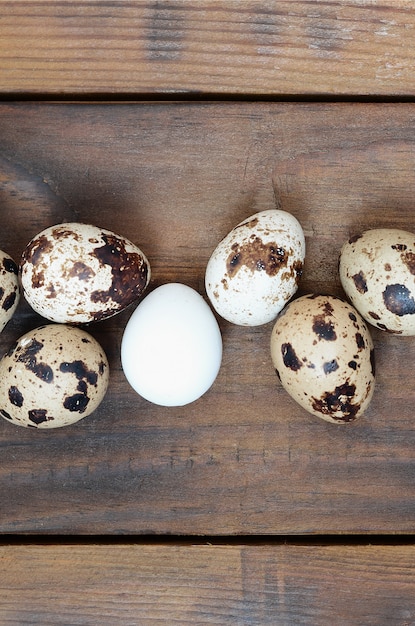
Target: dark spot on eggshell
{"points": [[278, 374], [398, 300], [257, 256], [360, 282], [129, 275], [36, 249], [44, 372], [15, 396], [330, 366], [388, 330], [408, 259], [290, 358], [10, 266], [324, 329], [38, 278], [297, 270], [399, 246], [251, 223], [1, 292], [387, 267], [52, 293], [353, 317], [80, 370], [352, 364], [9, 301], [354, 238], [373, 362], [374, 315], [81, 271], [82, 387], [360, 341], [327, 308], [27, 355], [60, 232], [76, 403], [38, 416], [339, 400], [5, 414]]}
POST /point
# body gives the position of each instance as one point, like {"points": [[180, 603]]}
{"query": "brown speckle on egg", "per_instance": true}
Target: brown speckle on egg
{"points": [[360, 282], [409, 260], [289, 357], [324, 328], [337, 404], [15, 396]]}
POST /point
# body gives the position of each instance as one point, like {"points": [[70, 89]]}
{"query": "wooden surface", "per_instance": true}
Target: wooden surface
{"points": [[244, 458], [240, 47], [240, 508], [204, 584]]}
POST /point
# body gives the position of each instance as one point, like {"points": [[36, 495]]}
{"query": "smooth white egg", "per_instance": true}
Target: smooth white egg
{"points": [[171, 349]]}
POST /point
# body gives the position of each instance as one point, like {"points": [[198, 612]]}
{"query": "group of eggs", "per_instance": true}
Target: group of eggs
{"points": [[74, 274]]}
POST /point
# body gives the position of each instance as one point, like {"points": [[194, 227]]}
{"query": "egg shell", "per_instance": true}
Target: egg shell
{"points": [[377, 272], [255, 270], [9, 288], [171, 349], [78, 273], [323, 354], [52, 376]]}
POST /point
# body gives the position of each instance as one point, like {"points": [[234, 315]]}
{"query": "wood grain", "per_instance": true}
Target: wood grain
{"points": [[244, 458], [207, 584], [341, 47]]}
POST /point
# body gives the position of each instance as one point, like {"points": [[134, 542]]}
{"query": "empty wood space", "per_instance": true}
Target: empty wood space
{"points": [[169, 123], [142, 47], [206, 584]]}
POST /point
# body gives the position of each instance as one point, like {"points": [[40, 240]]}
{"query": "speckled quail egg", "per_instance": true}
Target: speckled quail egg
{"points": [[377, 272], [78, 273], [323, 354], [9, 288], [53, 376], [255, 270]]}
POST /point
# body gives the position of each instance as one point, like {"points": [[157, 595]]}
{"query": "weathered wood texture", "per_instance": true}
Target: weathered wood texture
{"points": [[200, 585], [244, 458], [267, 47]]}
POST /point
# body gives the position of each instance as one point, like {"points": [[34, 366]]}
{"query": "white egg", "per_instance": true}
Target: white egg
{"points": [[171, 349], [255, 269], [78, 273]]}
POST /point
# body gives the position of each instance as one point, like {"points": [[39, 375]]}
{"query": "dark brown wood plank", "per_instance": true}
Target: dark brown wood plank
{"points": [[258, 585], [244, 458], [268, 47]]}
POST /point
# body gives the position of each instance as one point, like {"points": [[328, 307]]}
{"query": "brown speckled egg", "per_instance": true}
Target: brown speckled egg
{"points": [[255, 269], [53, 376], [78, 273], [9, 288], [377, 272], [323, 354]]}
